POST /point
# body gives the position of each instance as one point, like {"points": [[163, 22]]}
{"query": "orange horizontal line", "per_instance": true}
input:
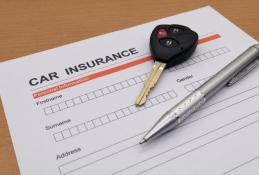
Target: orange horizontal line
{"points": [[208, 38], [106, 72]]}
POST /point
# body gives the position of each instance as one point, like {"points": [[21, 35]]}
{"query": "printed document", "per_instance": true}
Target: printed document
{"points": [[71, 110]]}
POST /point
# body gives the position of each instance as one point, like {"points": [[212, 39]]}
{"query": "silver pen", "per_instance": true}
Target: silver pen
{"points": [[227, 76]]}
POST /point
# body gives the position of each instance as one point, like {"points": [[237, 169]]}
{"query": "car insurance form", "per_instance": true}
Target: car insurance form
{"points": [[71, 110]]}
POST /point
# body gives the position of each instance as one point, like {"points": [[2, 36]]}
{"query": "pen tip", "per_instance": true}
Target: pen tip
{"points": [[142, 141]]}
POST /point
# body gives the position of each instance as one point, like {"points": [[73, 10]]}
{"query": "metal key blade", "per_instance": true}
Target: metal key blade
{"points": [[150, 82]]}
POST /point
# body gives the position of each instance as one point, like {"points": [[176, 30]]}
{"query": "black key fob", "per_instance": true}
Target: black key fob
{"points": [[172, 44]]}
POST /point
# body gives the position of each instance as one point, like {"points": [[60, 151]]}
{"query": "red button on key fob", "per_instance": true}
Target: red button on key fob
{"points": [[162, 33]]}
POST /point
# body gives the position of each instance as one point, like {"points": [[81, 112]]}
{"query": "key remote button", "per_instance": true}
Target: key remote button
{"points": [[162, 33], [176, 30], [169, 42]]}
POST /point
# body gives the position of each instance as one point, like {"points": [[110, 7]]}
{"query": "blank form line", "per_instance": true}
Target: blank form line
{"points": [[241, 165], [202, 57]]}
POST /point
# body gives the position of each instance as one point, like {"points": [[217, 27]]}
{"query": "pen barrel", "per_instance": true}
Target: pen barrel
{"points": [[220, 79], [186, 107], [176, 115]]}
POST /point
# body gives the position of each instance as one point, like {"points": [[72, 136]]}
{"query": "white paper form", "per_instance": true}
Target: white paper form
{"points": [[71, 111]]}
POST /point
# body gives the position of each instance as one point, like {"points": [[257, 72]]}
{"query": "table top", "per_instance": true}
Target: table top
{"points": [[29, 26]]}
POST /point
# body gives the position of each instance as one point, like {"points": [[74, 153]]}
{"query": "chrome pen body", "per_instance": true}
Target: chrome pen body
{"points": [[193, 101]]}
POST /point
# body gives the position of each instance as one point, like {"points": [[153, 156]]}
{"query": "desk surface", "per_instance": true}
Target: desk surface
{"points": [[32, 26]]}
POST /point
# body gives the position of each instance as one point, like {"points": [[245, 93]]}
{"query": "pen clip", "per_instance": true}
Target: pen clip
{"points": [[243, 72]]}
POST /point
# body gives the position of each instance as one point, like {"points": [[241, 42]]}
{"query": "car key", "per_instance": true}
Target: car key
{"points": [[170, 45]]}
